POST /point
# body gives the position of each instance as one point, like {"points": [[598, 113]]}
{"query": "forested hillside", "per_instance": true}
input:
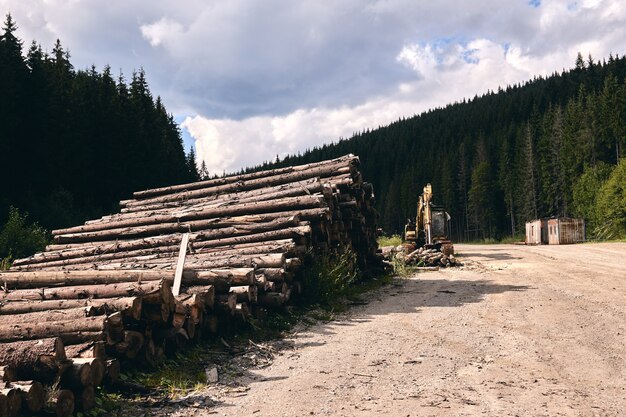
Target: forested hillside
{"points": [[74, 142], [545, 148]]}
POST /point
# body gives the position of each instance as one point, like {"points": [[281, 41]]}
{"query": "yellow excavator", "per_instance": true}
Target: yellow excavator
{"points": [[431, 227]]}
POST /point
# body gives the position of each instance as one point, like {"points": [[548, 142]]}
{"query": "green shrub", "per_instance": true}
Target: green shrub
{"points": [[611, 205], [512, 239], [393, 240], [19, 239], [400, 268], [329, 277], [585, 194]]}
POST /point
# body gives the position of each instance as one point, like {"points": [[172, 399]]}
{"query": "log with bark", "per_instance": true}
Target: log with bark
{"points": [[7, 373], [245, 293], [86, 350], [33, 395], [331, 170], [139, 195], [69, 256], [38, 279], [97, 367], [77, 375], [130, 306], [13, 398], [212, 227], [296, 233], [273, 206], [123, 289], [32, 359], [70, 330], [60, 402]]}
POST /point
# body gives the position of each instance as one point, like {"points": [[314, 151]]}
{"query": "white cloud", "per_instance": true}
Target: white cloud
{"points": [[162, 30], [255, 79]]}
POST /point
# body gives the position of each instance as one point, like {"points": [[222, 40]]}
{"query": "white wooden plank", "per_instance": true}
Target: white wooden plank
{"points": [[178, 276]]}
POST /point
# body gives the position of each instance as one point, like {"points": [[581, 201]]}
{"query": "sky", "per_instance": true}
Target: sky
{"points": [[252, 79]]}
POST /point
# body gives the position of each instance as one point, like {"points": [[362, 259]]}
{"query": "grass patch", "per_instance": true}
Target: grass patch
{"points": [[5, 263], [393, 240], [328, 277], [512, 239], [181, 373]]}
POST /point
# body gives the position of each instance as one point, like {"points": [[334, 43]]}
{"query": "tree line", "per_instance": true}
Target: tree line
{"points": [[75, 142], [548, 147]]}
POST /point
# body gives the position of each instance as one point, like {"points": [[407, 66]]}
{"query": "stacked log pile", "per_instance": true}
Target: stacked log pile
{"points": [[172, 264]]}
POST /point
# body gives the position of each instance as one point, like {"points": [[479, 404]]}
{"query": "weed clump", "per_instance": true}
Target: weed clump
{"points": [[329, 276], [393, 240]]}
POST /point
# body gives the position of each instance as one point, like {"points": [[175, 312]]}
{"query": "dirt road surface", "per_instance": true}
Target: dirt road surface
{"points": [[518, 331]]}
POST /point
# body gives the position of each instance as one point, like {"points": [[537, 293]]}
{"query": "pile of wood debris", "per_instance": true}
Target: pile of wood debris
{"points": [[421, 257]]}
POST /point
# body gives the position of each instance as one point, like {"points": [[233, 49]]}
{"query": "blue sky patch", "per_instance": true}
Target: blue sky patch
{"points": [[188, 141], [534, 3]]}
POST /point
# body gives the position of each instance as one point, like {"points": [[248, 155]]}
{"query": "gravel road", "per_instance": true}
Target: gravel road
{"points": [[518, 331]]}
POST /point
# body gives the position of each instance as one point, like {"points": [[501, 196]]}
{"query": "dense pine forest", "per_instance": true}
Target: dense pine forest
{"points": [[549, 147], [75, 142]]}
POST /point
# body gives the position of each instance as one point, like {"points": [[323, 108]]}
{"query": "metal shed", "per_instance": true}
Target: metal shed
{"points": [[565, 230], [537, 232]]}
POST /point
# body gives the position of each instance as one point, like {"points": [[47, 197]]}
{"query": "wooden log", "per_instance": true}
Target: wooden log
{"points": [[260, 281], [96, 366], [197, 261], [13, 400], [210, 227], [279, 205], [293, 264], [134, 341], [245, 293], [65, 329], [194, 304], [156, 313], [130, 306], [122, 289], [82, 337], [77, 375], [309, 186], [70, 257], [4, 405], [234, 178], [113, 370], [60, 402], [273, 274], [226, 303], [211, 323], [86, 350], [211, 257], [7, 373], [242, 310], [53, 315], [91, 248], [173, 339], [86, 398], [37, 279], [272, 300], [179, 315], [190, 328], [35, 359], [206, 292], [338, 168], [182, 207], [33, 395]]}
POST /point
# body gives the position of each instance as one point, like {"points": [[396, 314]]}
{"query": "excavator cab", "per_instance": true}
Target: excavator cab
{"points": [[431, 228]]}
